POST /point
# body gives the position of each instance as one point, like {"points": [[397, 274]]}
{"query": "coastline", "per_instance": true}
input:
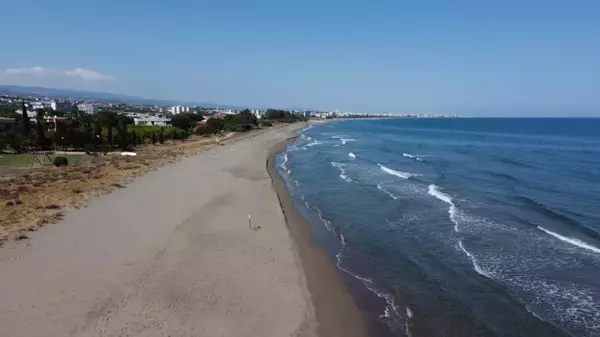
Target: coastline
{"points": [[336, 311]]}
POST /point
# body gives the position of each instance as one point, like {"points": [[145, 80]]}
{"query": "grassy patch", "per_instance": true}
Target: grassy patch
{"points": [[25, 160]]}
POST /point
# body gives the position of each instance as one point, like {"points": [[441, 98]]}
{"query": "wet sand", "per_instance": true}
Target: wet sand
{"points": [[336, 310]]}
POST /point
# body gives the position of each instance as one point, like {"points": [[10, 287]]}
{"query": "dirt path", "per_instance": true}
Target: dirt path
{"points": [[170, 255]]}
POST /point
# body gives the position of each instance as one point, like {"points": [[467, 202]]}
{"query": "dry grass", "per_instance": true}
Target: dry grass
{"points": [[40, 196]]}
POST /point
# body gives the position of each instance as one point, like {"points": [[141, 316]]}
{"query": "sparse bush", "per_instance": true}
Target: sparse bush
{"points": [[206, 130], [237, 127], [16, 141], [60, 161], [266, 123]]}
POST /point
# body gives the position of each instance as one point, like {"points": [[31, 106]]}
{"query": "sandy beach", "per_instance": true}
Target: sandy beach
{"points": [[172, 254]]}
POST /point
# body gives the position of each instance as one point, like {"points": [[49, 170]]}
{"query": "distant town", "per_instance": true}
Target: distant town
{"points": [[152, 114]]}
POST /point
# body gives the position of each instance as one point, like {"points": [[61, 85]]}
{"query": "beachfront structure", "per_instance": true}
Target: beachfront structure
{"points": [[160, 119], [42, 105], [177, 109], [258, 113], [89, 108]]}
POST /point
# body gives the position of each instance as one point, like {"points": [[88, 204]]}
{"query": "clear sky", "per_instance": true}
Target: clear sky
{"points": [[469, 57]]}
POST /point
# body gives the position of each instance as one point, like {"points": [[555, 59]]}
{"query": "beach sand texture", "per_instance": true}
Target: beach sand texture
{"points": [[170, 255]]}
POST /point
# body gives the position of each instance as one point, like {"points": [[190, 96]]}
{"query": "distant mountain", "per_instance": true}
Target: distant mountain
{"points": [[96, 96]]}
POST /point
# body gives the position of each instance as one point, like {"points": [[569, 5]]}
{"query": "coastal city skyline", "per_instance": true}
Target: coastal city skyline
{"points": [[471, 59]]}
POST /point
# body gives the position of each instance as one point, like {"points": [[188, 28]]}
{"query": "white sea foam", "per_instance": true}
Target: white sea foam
{"points": [[285, 160], [343, 139], [297, 184], [306, 128], [316, 142], [409, 312], [343, 172], [326, 222], [336, 145], [390, 312], [434, 190], [453, 211], [473, 260], [339, 261], [400, 174], [352, 155], [572, 241], [412, 156], [395, 197], [289, 172]]}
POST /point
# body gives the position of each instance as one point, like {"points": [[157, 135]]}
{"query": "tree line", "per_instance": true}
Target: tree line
{"points": [[79, 131], [245, 120], [109, 130]]}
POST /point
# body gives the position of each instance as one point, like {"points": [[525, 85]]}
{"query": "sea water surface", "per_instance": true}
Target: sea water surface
{"points": [[458, 227]]}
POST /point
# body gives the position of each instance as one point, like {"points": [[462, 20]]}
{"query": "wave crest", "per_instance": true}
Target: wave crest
{"points": [[403, 175], [412, 156], [343, 172], [573, 241]]}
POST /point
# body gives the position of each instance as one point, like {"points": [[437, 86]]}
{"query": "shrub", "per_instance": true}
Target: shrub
{"points": [[216, 123], [266, 123], [60, 161], [206, 130], [16, 142], [237, 127]]}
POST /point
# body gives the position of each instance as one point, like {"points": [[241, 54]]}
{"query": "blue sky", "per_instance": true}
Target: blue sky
{"points": [[469, 57]]}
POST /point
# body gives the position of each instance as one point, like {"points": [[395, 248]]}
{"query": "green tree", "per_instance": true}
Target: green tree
{"points": [[16, 141], [40, 124], [161, 136], [206, 130], [217, 123], [248, 117], [182, 121], [109, 120], [122, 134], [26, 123]]}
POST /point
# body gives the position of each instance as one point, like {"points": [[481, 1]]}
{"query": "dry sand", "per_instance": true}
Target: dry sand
{"points": [[169, 255]]}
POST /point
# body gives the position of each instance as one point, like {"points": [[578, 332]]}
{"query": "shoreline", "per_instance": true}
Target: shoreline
{"points": [[336, 311]]}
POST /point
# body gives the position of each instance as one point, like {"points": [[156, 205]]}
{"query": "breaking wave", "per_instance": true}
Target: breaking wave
{"points": [[403, 175], [573, 241], [476, 265], [352, 155], [343, 172], [435, 191], [284, 161], [392, 195], [412, 156]]}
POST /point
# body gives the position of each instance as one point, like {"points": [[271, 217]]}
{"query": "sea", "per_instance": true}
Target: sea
{"points": [[458, 227]]}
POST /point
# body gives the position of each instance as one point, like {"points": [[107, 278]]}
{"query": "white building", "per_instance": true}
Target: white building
{"points": [[258, 113], [42, 105], [160, 120], [88, 108], [177, 109]]}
